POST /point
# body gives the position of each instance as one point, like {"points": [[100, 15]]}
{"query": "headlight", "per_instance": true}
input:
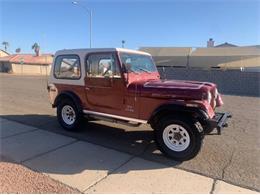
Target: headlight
{"points": [[209, 97], [216, 92]]}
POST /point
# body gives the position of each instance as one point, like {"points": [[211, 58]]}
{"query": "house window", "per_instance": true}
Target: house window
{"points": [[102, 65], [67, 67]]}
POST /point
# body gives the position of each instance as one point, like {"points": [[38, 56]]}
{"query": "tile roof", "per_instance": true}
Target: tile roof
{"points": [[43, 59]]}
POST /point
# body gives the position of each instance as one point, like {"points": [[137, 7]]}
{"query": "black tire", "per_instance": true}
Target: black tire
{"points": [[193, 145], [75, 125]]}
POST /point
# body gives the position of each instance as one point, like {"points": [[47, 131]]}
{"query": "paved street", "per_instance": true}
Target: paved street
{"points": [[232, 157]]}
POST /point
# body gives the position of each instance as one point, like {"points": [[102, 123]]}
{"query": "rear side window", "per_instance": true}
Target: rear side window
{"points": [[67, 67]]}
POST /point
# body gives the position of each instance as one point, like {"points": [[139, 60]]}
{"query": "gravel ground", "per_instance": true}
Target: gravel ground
{"points": [[15, 178]]}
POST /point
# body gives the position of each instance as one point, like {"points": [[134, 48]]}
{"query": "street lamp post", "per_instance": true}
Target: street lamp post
{"points": [[123, 43], [89, 11]]}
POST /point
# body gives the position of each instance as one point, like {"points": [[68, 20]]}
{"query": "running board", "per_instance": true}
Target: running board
{"points": [[115, 118], [112, 120]]}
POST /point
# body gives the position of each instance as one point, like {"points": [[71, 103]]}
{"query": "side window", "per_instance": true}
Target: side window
{"points": [[67, 67], [102, 65]]}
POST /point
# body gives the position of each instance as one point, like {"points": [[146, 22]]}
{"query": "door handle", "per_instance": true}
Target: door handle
{"points": [[87, 88]]}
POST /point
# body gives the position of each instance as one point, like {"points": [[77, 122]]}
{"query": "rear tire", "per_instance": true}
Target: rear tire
{"points": [[178, 138], [69, 117]]}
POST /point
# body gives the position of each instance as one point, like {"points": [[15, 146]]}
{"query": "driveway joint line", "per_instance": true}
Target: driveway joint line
{"points": [[49, 151], [109, 173], [21, 133], [124, 163], [213, 186]]}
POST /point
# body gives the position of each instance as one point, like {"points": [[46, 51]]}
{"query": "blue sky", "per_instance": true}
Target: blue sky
{"points": [[59, 24]]}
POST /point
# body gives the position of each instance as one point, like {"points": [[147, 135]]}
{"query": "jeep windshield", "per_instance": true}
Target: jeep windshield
{"points": [[137, 63]]}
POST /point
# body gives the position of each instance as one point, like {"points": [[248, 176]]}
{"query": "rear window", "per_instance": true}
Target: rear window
{"points": [[67, 67]]}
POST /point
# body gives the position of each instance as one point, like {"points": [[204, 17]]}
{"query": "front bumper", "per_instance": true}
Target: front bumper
{"points": [[219, 121]]}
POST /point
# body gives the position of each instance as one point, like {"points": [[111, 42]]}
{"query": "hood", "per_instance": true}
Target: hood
{"points": [[178, 84], [178, 89]]}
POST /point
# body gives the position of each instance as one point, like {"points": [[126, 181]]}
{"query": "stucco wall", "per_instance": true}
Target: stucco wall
{"points": [[29, 69], [224, 61], [229, 81]]}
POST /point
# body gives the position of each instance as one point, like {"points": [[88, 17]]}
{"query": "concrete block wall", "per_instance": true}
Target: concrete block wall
{"points": [[233, 82], [30, 69]]}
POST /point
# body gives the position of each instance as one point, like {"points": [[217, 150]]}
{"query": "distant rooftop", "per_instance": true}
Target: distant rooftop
{"points": [[167, 51], [203, 51], [43, 59], [226, 44], [4, 51]]}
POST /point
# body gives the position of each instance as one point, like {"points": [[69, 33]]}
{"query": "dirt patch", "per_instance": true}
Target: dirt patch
{"points": [[15, 178]]}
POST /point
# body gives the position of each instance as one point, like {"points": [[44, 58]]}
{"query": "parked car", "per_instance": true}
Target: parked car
{"points": [[124, 86]]}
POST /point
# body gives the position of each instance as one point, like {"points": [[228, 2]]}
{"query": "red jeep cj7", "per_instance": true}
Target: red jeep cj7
{"points": [[124, 86]]}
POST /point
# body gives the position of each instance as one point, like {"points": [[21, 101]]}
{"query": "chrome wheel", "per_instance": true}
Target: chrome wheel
{"points": [[176, 137], [68, 114]]}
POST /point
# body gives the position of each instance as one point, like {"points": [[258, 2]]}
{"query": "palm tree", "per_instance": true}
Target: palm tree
{"points": [[36, 48], [18, 50], [6, 44]]}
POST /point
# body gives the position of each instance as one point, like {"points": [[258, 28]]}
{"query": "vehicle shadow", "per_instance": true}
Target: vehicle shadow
{"points": [[135, 141]]}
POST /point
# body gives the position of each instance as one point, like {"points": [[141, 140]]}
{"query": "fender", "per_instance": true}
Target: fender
{"points": [[70, 95], [176, 108]]}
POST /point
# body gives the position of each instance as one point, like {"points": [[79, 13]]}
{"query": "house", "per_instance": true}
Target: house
{"points": [[211, 43], [3, 53], [226, 44], [26, 64], [169, 56], [226, 57], [233, 57]]}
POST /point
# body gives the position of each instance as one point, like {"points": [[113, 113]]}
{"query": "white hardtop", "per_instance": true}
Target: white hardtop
{"points": [[93, 50]]}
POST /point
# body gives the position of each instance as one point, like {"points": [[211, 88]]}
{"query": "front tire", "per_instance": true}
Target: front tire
{"points": [[178, 138], [68, 115]]}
